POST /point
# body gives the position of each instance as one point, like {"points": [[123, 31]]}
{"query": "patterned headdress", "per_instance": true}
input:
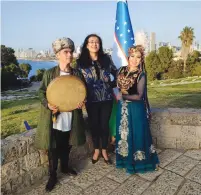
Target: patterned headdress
{"points": [[63, 43]]}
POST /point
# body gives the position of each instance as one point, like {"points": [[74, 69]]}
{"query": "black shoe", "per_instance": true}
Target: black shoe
{"points": [[108, 162], [51, 183], [69, 171], [94, 161]]}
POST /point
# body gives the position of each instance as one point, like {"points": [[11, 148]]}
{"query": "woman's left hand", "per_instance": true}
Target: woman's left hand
{"points": [[119, 96]]}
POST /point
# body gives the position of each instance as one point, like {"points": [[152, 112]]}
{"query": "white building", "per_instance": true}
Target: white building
{"points": [[153, 41], [196, 46], [164, 44], [141, 38], [108, 51], [78, 50]]}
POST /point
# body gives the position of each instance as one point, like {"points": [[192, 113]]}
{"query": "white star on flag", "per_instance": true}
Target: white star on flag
{"points": [[124, 36]]}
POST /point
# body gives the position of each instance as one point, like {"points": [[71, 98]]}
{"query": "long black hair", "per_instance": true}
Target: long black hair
{"points": [[84, 59]]}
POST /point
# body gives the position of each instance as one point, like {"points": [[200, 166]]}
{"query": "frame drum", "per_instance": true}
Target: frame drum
{"points": [[66, 92]]}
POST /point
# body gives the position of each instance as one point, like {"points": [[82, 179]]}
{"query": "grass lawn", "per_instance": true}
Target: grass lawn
{"points": [[176, 96], [180, 96], [181, 80], [15, 112]]}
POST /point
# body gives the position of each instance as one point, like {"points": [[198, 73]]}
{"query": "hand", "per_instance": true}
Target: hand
{"points": [[106, 79], [149, 116], [55, 111], [119, 96], [53, 108], [81, 104], [124, 92]]}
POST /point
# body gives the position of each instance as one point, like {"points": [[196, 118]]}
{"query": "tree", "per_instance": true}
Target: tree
{"points": [[9, 77], [26, 69], [12, 68], [153, 65], [8, 56], [74, 64], [9, 68], [33, 78], [197, 69], [165, 55], [195, 56], [39, 74], [186, 36], [175, 70]]}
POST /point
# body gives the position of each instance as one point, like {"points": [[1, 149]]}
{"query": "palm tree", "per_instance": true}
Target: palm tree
{"points": [[186, 36]]}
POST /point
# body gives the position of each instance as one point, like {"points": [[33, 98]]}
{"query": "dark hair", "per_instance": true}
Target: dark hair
{"points": [[85, 60]]}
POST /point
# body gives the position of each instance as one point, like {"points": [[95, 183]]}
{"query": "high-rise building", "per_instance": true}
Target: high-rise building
{"points": [[78, 50], [23, 54], [141, 38], [196, 46], [17, 53], [29, 52], [164, 44], [153, 41]]}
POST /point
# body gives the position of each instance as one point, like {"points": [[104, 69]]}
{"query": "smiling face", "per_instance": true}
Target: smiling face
{"points": [[135, 59], [93, 44], [65, 56]]}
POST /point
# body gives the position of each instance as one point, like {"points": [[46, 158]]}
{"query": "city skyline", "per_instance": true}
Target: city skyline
{"points": [[37, 24], [150, 44]]}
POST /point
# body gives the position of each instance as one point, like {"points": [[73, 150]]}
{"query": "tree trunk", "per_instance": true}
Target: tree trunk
{"points": [[185, 52], [184, 65]]}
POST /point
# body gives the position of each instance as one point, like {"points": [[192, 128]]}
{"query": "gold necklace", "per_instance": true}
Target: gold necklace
{"points": [[129, 71]]}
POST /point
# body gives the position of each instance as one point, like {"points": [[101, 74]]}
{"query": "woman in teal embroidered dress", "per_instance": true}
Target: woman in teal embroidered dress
{"points": [[134, 147]]}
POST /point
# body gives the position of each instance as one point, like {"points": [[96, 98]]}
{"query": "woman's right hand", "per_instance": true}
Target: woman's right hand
{"points": [[53, 108]]}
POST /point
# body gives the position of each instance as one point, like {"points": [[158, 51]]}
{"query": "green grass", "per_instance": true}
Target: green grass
{"points": [[170, 81], [15, 112], [179, 96], [19, 93]]}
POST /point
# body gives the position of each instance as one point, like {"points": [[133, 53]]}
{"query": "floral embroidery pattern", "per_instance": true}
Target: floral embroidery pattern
{"points": [[123, 131], [152, 149], [139, 155], [98, 90], [126, 79]]}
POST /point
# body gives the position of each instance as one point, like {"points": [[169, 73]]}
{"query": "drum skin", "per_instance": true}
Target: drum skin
{"points": [[66, 92]]}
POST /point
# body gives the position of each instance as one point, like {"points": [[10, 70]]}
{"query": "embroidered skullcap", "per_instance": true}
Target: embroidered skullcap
{"points": [[63, 43]]}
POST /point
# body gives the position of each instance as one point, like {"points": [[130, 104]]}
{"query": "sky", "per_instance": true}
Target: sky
{"points": [[36, 24]]}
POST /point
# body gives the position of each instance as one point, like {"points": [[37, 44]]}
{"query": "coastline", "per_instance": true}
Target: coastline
{"points": [[36, 60]]}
